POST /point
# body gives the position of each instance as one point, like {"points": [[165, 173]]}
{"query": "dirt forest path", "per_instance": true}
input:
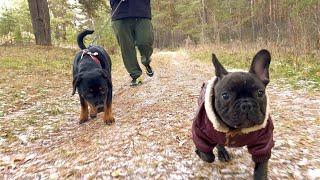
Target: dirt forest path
{"points": [[152, 134]]}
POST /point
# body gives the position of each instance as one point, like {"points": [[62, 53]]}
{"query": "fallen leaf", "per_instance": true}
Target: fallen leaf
{"points": [[116, 173]]}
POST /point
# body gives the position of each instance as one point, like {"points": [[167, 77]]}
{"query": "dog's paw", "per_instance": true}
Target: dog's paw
{"points": [[109, 121], [207, 157], [223, 154], [83, 120]]}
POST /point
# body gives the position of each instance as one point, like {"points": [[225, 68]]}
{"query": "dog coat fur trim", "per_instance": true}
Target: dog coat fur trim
{"points": [[212, 116]]}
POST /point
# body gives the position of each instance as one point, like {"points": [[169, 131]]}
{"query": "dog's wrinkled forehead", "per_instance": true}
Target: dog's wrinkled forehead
{"points": [[237, 81], [93, 79]]}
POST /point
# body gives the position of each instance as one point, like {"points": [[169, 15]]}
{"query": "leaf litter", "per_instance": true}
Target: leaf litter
{"points": [[41, 137]]}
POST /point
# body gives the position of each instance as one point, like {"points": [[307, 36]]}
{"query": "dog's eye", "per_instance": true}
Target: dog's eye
{"points": [[225, 96], [102, 91], [260, 93]]}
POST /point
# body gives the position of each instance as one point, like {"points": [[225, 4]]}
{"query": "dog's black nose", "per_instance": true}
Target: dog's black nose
{"points": [[100, 109], [99, 103], [246, 107]]}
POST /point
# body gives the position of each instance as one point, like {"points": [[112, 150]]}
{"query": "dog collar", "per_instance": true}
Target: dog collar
{"points": [[92, 55]]}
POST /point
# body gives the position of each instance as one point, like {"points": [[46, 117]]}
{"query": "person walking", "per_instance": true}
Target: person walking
{"points": [[131, 22]]}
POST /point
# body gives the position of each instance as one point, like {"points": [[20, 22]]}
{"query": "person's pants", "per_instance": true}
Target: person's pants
{"points": [[132, 32]]}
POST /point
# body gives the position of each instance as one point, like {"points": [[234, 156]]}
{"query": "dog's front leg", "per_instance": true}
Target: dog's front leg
{"points": [[261, 171], [108, 117], [93, 111], [207, 157], [84, 110], [223, 154]]}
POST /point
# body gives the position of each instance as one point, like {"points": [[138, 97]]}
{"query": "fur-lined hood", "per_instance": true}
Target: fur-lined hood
{"points": [[212, 116]]}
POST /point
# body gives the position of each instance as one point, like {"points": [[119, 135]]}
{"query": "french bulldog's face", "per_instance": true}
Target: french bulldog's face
{"points": [[239, 97]]}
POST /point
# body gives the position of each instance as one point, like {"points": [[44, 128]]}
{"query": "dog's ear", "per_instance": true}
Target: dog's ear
{"points": [[260, 65], [75, 82], [220, 70]]}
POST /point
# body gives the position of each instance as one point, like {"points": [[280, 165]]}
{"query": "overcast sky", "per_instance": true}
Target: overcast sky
{"points": [[11, 3], [5, 3]]}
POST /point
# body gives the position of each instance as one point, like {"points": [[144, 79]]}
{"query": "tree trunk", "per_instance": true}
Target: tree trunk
{"points": [[202, 29], [204, 21], [216, 28], [172, 21], [39, 12], [252, 21]]}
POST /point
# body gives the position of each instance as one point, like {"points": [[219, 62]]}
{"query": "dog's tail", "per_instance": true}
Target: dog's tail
{"points": [[81, 37]]}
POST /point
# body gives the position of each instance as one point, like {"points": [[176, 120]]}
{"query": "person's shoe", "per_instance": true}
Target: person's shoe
{"points": [[149, 71], [136, 82]]}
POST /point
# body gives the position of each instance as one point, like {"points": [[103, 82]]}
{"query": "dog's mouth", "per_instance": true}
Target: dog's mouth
{"points": [[255, 118], [244, 115], [244, 125], [242, 120], [247, 121], [100, 108]]}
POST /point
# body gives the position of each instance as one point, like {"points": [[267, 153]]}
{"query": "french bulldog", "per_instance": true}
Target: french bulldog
{"points": [[233, 111]]}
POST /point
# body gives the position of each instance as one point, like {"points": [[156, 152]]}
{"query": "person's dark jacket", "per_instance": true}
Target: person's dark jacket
{"points": [[207, 131], [131, 9]]}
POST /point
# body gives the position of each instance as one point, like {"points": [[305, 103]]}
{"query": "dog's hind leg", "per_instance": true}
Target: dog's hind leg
{"points": [[84, 110], [93, 111], [223, 154], [108, 117]]}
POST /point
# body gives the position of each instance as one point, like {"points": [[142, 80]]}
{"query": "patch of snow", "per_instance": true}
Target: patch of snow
{"points": [[303, 162], [2, 140], [314, 173]]}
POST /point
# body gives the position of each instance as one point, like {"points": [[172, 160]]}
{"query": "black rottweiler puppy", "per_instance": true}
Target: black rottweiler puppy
{"points": [[92, 78]]}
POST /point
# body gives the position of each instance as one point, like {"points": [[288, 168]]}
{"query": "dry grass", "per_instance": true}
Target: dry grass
{"points": [[301, 71]]}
